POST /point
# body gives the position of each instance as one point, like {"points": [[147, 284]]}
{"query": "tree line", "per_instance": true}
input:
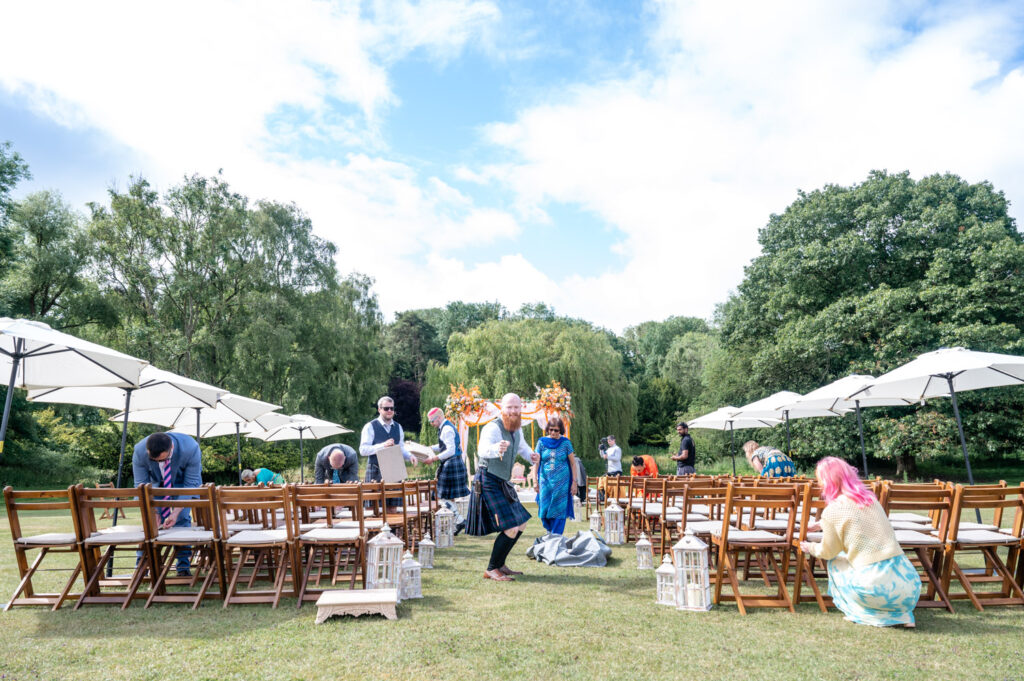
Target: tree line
{"points": [[205, 282]]}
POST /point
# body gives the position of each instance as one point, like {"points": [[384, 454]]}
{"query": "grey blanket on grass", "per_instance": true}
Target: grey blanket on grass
{"points": [[584, 550]]}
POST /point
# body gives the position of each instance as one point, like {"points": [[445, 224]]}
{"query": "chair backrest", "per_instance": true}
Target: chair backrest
{"points": [[342, 496], [518, 471], [744, 500], [811, 506], [996, 498], [698, 498], [27, 501], [200, 501], [88, 500], [260, 502], [652, 490], [935, 501], [673, 495]]}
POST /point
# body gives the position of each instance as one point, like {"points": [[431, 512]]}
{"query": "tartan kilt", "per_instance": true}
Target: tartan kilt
{"points": [[372, 470], [451, 479], [491, 510]]}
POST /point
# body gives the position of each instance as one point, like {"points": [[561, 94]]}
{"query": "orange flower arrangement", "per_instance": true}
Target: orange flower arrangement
{"points": [[462, 401], [554, 397]]}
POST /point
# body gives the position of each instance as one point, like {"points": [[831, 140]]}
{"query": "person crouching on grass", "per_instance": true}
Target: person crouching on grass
{"points": [[493, 503], [869, 577]]}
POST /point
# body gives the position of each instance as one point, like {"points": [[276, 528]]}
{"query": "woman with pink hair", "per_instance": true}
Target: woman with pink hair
{"points": [[869, 577]]}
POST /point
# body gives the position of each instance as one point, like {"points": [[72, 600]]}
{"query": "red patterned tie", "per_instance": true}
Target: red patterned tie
{"points": [[166, 466]]}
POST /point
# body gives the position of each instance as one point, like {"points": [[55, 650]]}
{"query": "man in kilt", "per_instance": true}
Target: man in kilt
{"points": [[379, 433], [494, 505], [451, 473]]}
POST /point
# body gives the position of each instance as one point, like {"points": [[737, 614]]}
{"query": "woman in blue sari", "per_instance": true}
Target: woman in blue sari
{"points": [[556, 477]]}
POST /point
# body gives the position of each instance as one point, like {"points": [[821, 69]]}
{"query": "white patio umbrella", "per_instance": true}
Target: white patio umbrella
{"points": [[299, 426], [155, 389], [783, 405], [727, 418], [835, 396], [40, 357], [228, 417], [944, 373]]}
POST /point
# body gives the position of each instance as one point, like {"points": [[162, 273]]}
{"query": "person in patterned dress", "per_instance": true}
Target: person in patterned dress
{"points": [[769, 462], [557, 477]]}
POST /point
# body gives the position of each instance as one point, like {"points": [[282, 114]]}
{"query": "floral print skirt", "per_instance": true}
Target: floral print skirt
{"points": [[883, 594]]}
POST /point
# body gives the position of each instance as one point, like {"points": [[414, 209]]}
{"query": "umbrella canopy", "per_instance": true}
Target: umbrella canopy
{"points": [[944, 373], [728, 418], [298, 426], [835, 396], [783, 405], [37, 356]]}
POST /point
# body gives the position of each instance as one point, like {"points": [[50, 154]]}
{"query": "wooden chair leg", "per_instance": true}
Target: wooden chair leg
{"points": [[305, 576], [934, 581], [26, 582], [966, 583], [165, 561], [94, 578], [137, 577], [279, 583], [243, 556]]}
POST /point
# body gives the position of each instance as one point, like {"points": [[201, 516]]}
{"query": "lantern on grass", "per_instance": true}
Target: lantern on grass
{"points": [[595, 522], [411, 585], [426, 556], [462, 506], [577, 509], [644, 553], [665, 580], [444, 523], [614, 524], [693, 586], [383, 560]]}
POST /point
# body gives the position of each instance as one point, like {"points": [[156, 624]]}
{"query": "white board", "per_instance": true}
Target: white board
{"points": [[391, 463]]}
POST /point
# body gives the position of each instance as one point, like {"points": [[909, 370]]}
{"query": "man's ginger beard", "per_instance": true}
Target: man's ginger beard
{"points": [[511, 423]]}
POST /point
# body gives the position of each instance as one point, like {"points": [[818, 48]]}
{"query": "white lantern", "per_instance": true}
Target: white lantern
{"points": [[665, 578], [693, 585], [595, 522], [444, 525], [426, 556], [411, 586], [383, 560], [462, 506], [614, 524], [644, 553], [577, 508]]}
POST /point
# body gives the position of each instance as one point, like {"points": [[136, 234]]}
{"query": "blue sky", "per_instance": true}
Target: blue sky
{"points": [[612, 159]]}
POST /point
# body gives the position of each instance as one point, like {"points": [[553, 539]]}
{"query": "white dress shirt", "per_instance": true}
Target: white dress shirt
{"points": [[365, 440]]}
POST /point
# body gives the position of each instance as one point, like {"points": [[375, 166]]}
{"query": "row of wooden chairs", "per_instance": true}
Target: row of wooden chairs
{"points": [[240, 537]]}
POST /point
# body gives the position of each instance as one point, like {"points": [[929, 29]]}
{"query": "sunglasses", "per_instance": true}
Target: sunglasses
{"points": [[553, 430], [387, 408]]}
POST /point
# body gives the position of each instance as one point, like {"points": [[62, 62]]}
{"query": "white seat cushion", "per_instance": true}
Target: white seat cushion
{"points": [[815, 536], [985, 537], [52, 538], [259, 537], [654, 508], [372, 524], [327, 534], [746, 536], [914, 527], [705, 526], [185, 534], [964, 525], [116, 529], [771, 525], [700, 508], [317, 515], [125, 537], [905, 537], [306, 527], [909, 517], [242, 527]]}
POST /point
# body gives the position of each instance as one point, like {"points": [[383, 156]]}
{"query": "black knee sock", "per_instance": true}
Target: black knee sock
{"points": [[502, 545]]}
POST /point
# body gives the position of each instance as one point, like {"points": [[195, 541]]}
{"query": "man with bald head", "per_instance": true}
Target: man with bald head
{"points": [[494, 505], [336, 462]]}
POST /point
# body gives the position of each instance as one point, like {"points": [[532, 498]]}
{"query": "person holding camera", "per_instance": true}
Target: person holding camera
{"points": [[611, 453], [686, 457]]}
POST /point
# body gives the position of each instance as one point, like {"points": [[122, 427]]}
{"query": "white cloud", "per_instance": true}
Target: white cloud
{"points": [[741, 106]]}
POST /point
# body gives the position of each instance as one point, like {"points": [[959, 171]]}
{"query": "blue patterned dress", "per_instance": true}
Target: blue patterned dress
{"points": [[554, 502], [774, 464]]}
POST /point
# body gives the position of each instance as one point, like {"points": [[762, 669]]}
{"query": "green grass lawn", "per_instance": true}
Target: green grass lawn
{"points": [[551, 623]]}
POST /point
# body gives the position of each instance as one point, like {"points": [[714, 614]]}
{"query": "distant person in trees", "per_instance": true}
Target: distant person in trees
{"points": [[686, 457], [261, 476], [452, 478], [869, 576], [167, 460], [768, 462], [494, 504], [644, 466], [380, 433], [611, 453], [336, 463]]}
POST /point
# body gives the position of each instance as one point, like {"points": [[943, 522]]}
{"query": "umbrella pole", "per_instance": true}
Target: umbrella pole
{"points": [[963, 441], [860, 430], [15, 360], [120, 461], [302, 460], [732, 447], [198, 409], [238, 448], [789, 447]]}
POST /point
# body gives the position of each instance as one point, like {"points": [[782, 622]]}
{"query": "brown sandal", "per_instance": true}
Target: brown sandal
{"points": [[498, 576], [507, 571]]}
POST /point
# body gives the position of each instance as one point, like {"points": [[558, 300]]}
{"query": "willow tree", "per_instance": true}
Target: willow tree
{"points": [[518, 356]]}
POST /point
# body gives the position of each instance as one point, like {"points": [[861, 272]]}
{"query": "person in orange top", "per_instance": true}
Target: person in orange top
{"points": [[644, 466]]}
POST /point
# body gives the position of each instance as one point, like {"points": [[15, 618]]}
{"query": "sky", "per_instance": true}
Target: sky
{"points": [[614, 160]]}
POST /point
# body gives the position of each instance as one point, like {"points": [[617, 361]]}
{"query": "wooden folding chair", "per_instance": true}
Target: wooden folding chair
{"points": [[98, 545], [670, 514], [201, 539], [592, 494], [810, 513], [269, 550], [924, 540], [987, 541], [26, 502], [771, 549], [338, 548], [106, 515]]}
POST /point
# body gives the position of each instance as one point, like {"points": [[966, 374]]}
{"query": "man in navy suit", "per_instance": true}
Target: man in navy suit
{"points": [[170, 460]]}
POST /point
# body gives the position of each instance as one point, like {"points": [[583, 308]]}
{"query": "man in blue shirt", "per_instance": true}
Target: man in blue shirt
{"points": [[170, 460]]}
